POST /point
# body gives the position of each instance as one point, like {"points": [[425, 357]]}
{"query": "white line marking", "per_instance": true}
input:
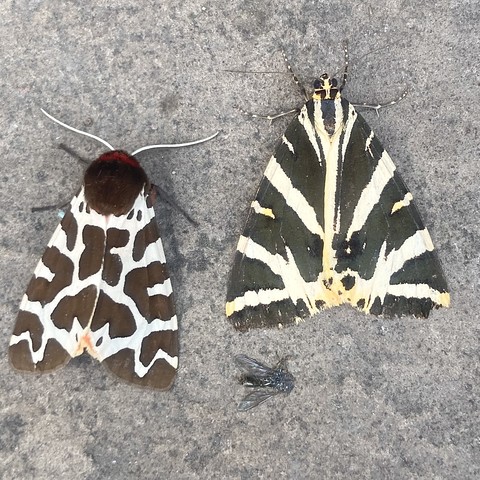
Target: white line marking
{"points": [[293, 197], [257, 208], [288, 144], [372, 192]]}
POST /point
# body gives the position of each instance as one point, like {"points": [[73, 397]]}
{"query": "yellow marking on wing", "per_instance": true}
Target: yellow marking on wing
{"points": [[444, 299], [405, 202], [229, 308], [268, 212], [332, 290]]}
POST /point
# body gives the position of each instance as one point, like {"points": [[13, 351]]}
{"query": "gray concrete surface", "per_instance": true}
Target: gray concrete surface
{"points": [[375, 398]]}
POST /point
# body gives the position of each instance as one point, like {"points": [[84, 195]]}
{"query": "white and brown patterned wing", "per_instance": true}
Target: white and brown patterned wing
{"points": [[61, 295], [102, 284], [134, 327]]}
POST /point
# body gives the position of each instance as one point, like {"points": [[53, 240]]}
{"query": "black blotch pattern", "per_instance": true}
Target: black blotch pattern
{"points": [[348, 282]]}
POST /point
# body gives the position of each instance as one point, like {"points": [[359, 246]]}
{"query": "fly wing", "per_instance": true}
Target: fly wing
{"points": [[254, 398], [253, 368]]}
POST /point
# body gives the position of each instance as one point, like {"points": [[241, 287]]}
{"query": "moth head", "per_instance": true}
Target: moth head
{"points": [[326, 88]]}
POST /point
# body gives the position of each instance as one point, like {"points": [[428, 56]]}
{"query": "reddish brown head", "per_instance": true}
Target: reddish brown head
{"points": [[113, 182]]}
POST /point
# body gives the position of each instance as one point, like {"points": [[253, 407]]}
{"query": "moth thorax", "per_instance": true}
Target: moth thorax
{"points": [[329, 116], [326, 88], [113, 182]]}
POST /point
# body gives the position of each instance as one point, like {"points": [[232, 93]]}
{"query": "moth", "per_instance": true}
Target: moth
{"points": [[265, 381], [102, 285], [332, 222]]}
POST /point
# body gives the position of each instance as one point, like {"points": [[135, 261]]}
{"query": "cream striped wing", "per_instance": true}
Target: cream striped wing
{"points": [[332, 223]]}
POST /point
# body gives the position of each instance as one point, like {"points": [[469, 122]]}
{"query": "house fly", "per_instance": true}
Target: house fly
{"points": [[264, 381]]}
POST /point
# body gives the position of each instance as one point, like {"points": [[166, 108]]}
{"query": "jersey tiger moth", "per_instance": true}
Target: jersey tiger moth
{"points": [[332, 222], [102, 284]]}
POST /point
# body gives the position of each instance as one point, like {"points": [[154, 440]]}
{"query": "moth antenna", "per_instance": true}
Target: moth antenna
{"points": [[81, 132], [262, 72], [175, 145]]}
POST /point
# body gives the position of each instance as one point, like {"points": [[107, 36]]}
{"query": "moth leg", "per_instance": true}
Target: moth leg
{"points": [[375, 107], [45, 208], [282, 363], [274, 116], [378, 106], [164, 196]]}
